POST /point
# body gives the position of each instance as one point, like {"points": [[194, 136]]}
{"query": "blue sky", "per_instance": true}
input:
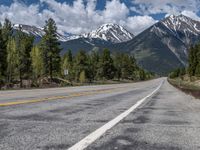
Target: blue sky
{"points": [[80, 16]]}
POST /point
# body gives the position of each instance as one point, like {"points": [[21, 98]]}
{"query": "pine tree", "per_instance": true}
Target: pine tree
{"points": [[37, 62], [51, 49], [5, 34], [82, 77], [80, 64], [27, 41], [2, 58], [93, 60], [7, 30], [12, 59], [118, 65], [128, 66], [197, 68], [125, 66], [142, 74], [67, 64], [19, 37], [192, 61], [106, 66]]}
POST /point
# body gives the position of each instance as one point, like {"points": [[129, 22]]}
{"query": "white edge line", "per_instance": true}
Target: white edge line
{"points": [[85, 142]]}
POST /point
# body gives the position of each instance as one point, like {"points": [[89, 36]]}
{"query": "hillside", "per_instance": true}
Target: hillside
{"points": [[164, 46]]}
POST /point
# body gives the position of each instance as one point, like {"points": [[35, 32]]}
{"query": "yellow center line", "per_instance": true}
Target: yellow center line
{"points": [[72, 95]]}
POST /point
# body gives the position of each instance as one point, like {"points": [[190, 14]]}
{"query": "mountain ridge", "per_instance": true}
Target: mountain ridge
{"points": [[109, 32], [174, 34], [164, 44]]}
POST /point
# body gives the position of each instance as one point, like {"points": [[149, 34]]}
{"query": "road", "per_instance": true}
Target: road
{"points": [[144, 115]]}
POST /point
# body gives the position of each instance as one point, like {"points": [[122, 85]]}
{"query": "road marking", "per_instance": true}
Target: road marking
{"points": [[85, 142], [71, 95]]}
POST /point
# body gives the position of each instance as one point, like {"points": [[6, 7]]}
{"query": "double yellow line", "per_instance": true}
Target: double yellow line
{"points": [[71, 95]]}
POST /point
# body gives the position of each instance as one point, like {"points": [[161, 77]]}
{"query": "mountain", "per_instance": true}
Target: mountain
{"points": [[104, 37], [86, 44], [164, 46], [38, 32], [161, 48], [111, 33]]}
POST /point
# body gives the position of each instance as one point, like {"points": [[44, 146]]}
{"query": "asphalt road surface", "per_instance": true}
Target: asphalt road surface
{"points": [[145, 115]]}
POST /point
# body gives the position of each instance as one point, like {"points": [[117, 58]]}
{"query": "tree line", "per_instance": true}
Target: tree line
{"points": [[193, 68], [94, 66], [23, 60], [194, 61]]}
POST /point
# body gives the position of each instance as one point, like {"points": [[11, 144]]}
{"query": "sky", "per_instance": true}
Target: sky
{"points": [[82, 16]]}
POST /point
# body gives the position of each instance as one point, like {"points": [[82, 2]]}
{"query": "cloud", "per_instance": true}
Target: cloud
{"points": [[80, 18], [20, 13], [139, 23], [191, 14], [165, 6], [75, 18]]}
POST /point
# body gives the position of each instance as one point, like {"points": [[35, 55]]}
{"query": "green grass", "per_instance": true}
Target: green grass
{"points": [[178, 82]]}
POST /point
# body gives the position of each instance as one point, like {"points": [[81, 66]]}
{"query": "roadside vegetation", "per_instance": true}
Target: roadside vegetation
{"points": [[188, 79], [25, 63]]}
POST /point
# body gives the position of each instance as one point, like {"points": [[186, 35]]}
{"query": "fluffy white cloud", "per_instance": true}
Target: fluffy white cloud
{"points": [[139, 23], [191, 14], [187, 13], [165, 6], [76, 18], [20, 13]]}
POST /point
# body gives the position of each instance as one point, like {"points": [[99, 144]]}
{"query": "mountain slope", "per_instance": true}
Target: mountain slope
{"points": [[86, 44], [164, 46]]}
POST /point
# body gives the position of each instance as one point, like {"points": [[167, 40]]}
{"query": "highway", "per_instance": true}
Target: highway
{"points": [[144, 115]]}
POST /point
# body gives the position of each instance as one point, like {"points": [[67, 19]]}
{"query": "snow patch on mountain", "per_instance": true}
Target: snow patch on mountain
{"points": [[178, 33], [182, 23], [39, 32], [110, 32]]}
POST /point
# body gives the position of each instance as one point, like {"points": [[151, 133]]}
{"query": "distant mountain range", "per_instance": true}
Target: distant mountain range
{"points": [[112, 33], [160, 48], [38, 32]]}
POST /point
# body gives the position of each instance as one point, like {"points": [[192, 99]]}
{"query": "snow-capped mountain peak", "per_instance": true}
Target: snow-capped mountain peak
{"points": [[183, 23], [177, 33], [38, 31], [110, 32]]}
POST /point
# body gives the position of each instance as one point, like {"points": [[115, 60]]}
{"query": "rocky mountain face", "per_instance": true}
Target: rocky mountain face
{"points": [[110, 32], [182, 27], [164, 46], [185, 30]]}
